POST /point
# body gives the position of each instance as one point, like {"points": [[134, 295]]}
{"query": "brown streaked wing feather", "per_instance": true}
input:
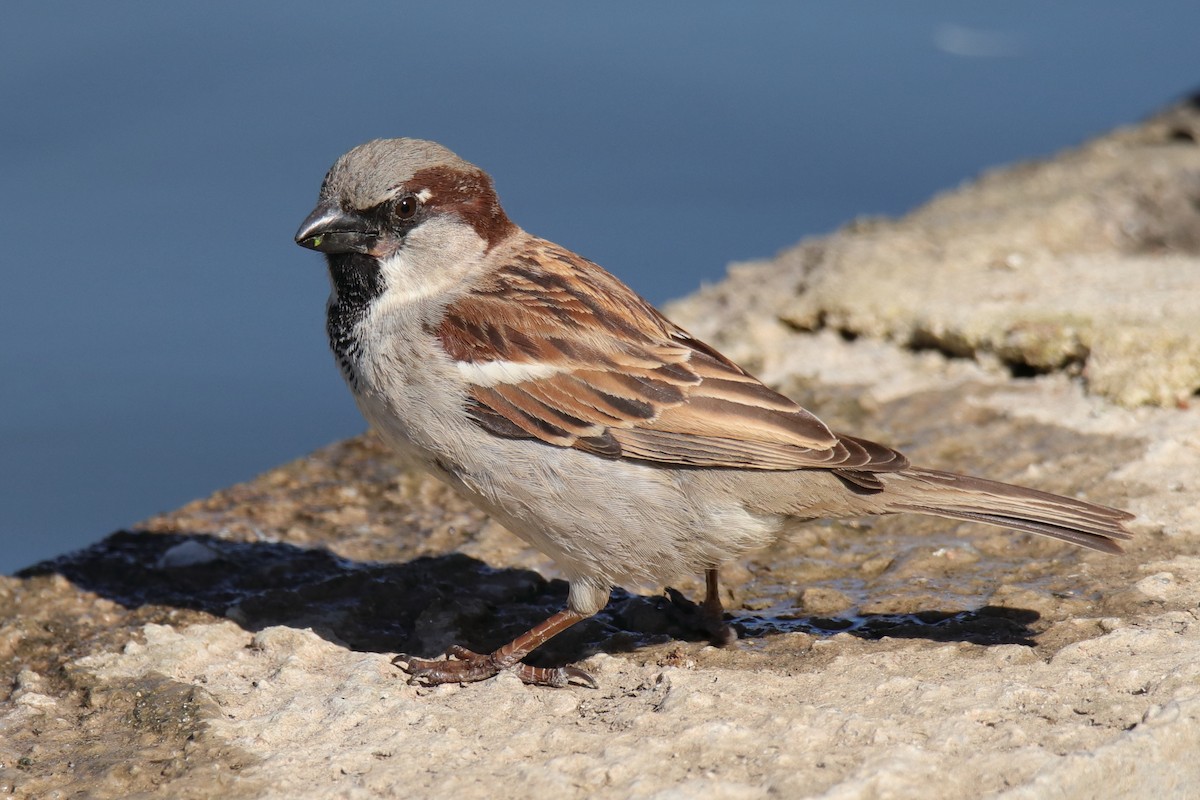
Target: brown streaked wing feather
{"points": [[860, 482], [631, 384], [534, 426], [878, 457], [648, 444]]}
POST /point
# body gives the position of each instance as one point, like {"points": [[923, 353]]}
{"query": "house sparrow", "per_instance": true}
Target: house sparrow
{"points": [[557, 400]]}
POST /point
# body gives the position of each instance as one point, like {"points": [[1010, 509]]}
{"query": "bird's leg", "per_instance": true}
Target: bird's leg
{"points": [[463, 666], [709, 615], [713, 612]]}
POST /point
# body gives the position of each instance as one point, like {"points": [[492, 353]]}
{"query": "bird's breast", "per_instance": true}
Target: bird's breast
{"points": [[404, 383]]}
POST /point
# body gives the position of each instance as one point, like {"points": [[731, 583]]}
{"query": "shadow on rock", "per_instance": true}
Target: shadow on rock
{"points": [[424, 605], [989, 625]]}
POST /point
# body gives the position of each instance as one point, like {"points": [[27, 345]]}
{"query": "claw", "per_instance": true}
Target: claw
{"points": [[579, 677], [558, 677], [465, 666], [460, 666]]}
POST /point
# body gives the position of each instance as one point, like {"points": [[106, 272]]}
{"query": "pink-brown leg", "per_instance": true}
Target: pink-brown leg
{"points": [[722, 633], [463, 666]]}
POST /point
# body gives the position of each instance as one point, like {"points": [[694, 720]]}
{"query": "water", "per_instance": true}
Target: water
{"points": [[162, 335]]}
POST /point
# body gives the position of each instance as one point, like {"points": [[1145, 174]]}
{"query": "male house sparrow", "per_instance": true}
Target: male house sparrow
{"points": [[548, 393]]}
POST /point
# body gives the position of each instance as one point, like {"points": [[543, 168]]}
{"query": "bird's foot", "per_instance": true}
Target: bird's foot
{"points": [[704, 617], [465, 666], [722, 634]]}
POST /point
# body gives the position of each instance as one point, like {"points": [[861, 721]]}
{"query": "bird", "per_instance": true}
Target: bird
{"points": [[547, 392]]}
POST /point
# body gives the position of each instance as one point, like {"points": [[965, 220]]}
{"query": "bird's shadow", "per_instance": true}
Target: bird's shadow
{"points": [[426, 604]]}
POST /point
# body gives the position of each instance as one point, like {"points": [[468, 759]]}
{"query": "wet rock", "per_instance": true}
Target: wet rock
{"points": [[823, 600]]}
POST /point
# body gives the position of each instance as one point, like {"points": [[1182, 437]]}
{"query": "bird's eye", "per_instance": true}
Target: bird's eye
{"points": [[406, 208]]}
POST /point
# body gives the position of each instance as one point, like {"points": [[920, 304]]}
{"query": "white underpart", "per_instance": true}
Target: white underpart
{"points": [[493, 373]]}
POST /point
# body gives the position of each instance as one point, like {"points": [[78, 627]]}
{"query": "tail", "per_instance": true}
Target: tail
{"points": [[945, 494]]}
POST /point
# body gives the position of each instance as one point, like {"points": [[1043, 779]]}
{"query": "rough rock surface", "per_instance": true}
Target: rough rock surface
{"points": [[1040, 326], [1083, 264]]}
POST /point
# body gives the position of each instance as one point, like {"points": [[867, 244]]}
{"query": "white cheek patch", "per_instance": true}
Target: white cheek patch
{"points": [[406, 282], [493, 373], [434, 257]]}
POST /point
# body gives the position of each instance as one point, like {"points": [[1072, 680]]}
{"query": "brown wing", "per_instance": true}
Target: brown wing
{"points": [[557, 349]]}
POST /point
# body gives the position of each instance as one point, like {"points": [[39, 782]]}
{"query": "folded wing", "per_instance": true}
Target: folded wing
{"points": [[556, 349]]}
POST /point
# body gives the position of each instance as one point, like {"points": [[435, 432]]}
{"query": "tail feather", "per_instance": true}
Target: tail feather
{"points": [[963, 497]]}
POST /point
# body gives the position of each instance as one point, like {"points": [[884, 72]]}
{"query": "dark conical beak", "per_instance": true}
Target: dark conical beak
{"points": [[328, 229]]}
